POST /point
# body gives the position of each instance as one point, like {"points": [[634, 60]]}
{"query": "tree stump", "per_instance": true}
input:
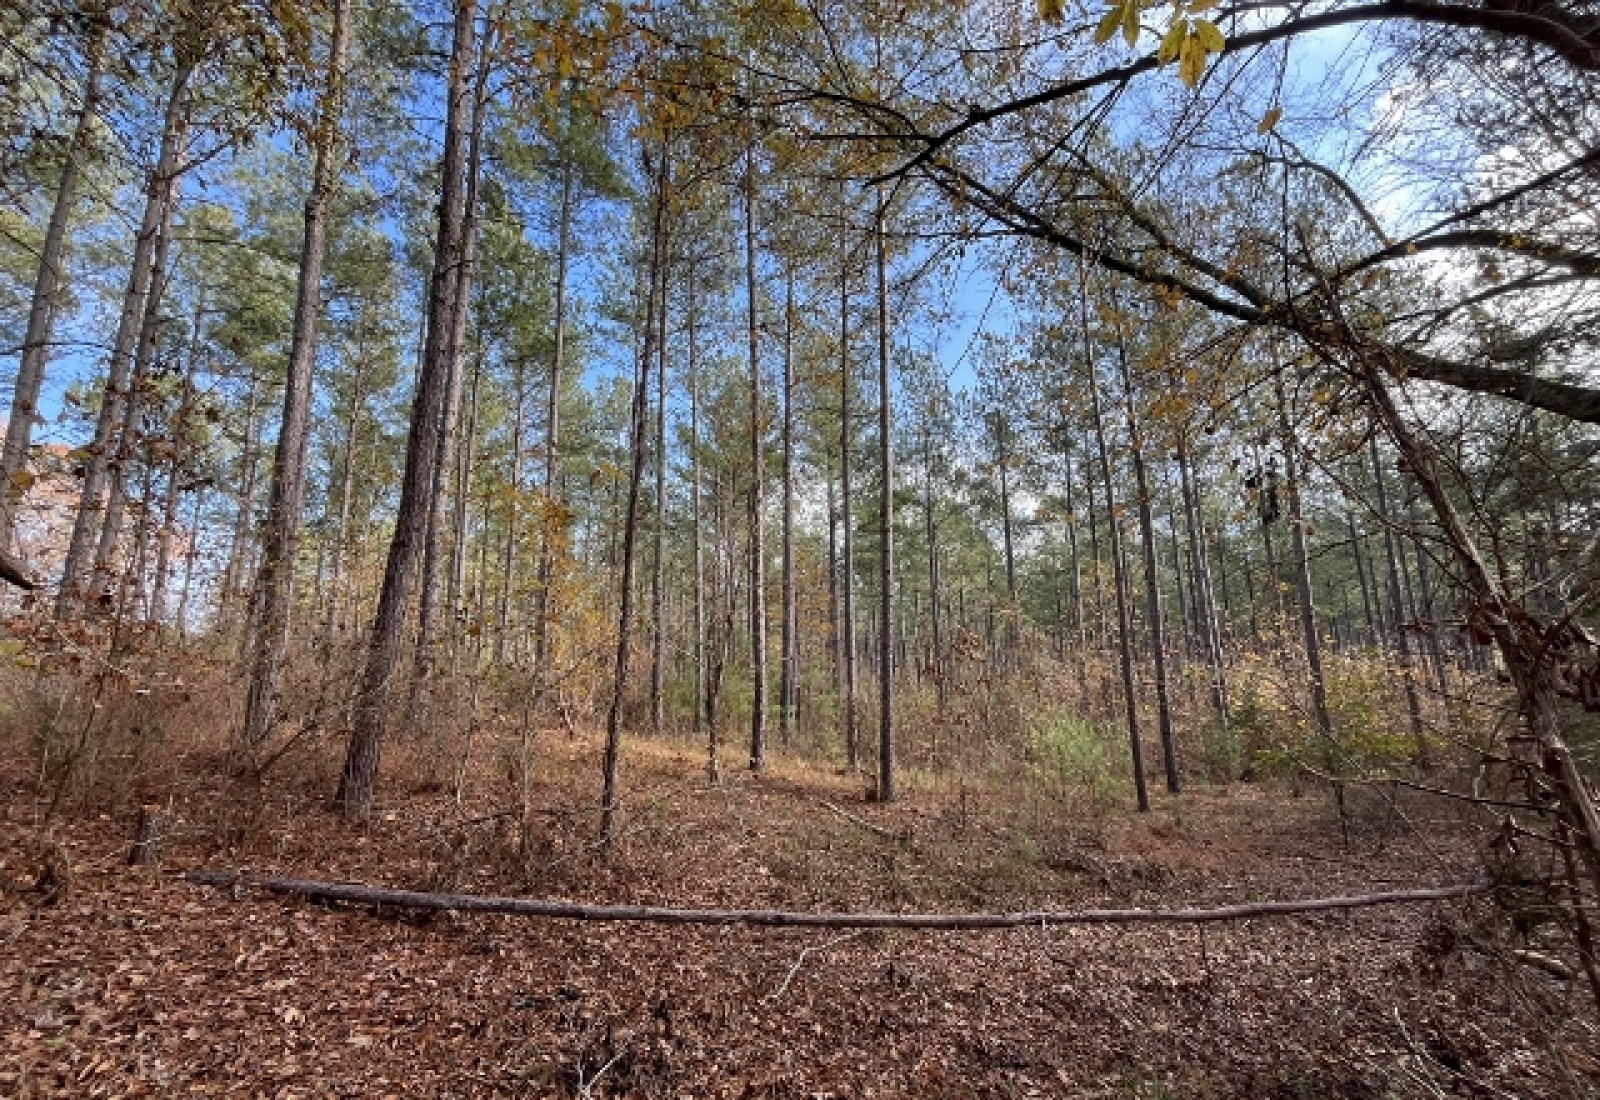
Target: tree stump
{"points": [[147, 837]]}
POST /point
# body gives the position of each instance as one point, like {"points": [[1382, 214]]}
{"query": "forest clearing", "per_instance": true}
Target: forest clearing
{"points": [[818, 548], [138, 983]]}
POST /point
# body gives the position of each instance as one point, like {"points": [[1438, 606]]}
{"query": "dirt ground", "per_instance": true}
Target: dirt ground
{"points": [[133, 982]]}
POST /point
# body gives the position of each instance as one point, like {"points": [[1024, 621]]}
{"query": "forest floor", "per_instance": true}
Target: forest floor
{"points": [[135, 982]]}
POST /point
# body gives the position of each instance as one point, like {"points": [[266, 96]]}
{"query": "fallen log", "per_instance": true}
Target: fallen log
{"points": [[777, 918]]}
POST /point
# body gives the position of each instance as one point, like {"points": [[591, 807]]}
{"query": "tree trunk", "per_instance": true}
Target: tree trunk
{"points": [[1310, 636], [108, 426], [931, 530], [886, 716], [1373, 619], [130, 437], [1200, 570], [238, 545], [508, 559], [358, 779], [444, 459], [697, 533], [1114, 540], [852, 732], [456, 593], [789, 657], [1429, 623], [658, 578], [552, 526], [639, 428], [286, 498], [1076, 575], [1523, 643], [758, 550], [340, 608], [46, 298], [1152, 578], [1397, 609], [169, 504]]}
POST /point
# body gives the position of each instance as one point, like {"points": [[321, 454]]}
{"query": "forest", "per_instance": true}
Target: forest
{"points": [[822, 548]]}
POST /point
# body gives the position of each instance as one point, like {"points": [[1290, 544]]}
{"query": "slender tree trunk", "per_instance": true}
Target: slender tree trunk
{"points": [[835, 609], [189, 561], [233, 583], [1114, 540], [1183, 585], [1003, 461], [340, 607], [444, 459], [1374, 623], [1225, 612], [553, 525], [1310, 635], [758, 554], [508, 560], [1205, 606], [886, 662], [790, 657], [1429, 622], [286, 498], [696, 506], [108, 427], [658, 578], [630, 523], [456, 594], [1076, 576], [935, 597], [1101, 611], [847, 581], [1397, 610], [47, 298], [1152, 578], [358, 779], [179, 438], [130, 440]]}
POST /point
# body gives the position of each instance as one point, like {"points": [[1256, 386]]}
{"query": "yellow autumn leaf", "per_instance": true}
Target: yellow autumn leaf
{"points": [[1107, 26], [1173, 42], [1210, 37], [1191, 61], [1198, 6], [1130, 22], [1053, 11]]}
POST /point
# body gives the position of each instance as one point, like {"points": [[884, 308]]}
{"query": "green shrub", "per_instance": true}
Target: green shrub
{"points": [[1221, 754], [1066, 749]]}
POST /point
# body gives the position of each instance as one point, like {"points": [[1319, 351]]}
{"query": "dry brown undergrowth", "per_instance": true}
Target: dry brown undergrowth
{"points": [[133, 983]]}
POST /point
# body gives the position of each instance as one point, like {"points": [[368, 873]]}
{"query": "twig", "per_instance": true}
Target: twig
{"points": [[586, 1088], [777, 918], [879, 830], [1548, 963], [814, 949]]}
